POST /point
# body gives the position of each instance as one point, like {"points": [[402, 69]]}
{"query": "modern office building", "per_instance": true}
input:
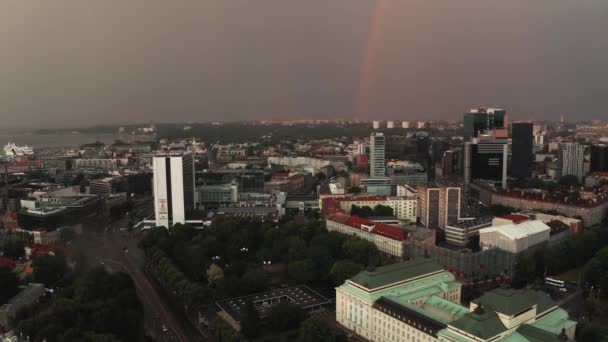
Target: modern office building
{"points": [[428, 205], [460, 233], [438, 204], [483, 121], [599, 158], [377, 149], [174, 197], [485, 158], [449, 204], [419, 301], [521, 149], [379, 186], [216, 195], [570, 160]]}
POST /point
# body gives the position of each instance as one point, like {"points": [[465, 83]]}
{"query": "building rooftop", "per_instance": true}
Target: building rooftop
{"points": [[395, 273], [518, 231], [510, 301], [301, 296]]}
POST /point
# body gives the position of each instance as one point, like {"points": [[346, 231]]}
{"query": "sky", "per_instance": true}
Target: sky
{"points": [[86, 62]]}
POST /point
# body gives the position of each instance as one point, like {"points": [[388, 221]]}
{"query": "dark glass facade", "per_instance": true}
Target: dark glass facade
{"points": [[521, 153]]}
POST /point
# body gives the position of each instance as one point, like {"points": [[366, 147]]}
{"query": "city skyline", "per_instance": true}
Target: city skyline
{"points": [[226, 61]]}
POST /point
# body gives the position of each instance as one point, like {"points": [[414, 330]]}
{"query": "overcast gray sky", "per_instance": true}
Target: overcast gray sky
{"points": [[75, 62]]}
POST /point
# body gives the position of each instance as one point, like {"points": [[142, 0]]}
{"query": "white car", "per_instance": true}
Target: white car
{"points": [[164, 328]]}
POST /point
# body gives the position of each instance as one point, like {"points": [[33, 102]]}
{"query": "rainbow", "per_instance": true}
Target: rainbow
{"points": [[369, 56]]}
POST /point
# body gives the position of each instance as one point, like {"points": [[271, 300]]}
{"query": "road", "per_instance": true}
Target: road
{"points": [[116, 250]]}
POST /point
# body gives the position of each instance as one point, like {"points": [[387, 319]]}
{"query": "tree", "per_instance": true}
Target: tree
{"points": [[13, 247], [67, 234], [214, 274], [316, 329], [301, 271], [569, 181], [285, 317], [344, 269], [10, 284], [383, 210], [48, 269], [364, 211], [250, 321]]}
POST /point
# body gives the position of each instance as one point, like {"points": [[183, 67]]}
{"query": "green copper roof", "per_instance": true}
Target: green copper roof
{"points": [[390, 274], [483, 325], [510, 302], [554, 321], [533, 334]]}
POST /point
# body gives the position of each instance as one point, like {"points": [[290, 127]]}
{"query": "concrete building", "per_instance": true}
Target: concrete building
{"points": [[406, 301], [438, 204], [599, 158], [405, 124], [483, 120], [522, 150], [388, 239], [377, 186], [459, 233], [377, 151], [376, 124], [404, 207], [486, 158], [515, 237], [215, 195], [174, 196], [570, 160], [419, 301], [390, 124]]}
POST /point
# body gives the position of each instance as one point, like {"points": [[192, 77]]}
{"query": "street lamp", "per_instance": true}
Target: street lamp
{"points": [[216, 257], [244, 249], [267, 264]]}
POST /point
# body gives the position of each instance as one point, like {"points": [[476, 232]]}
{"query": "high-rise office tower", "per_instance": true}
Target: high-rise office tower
{"points": [[570, 160], [485, 158], [428, 205], [521, 149], [390, 124], [376, 124], [599, 158], [438, 204], [484, 120], [173, 188], [377, 150]]}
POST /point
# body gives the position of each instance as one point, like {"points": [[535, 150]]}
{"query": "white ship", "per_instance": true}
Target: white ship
{"points": [[12, 150]]}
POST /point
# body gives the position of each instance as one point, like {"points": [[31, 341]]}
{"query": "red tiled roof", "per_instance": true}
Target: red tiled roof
{"points": [[389, 231], [333, 212], [516, 218]]}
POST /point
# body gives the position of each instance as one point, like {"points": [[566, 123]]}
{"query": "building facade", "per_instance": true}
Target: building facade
{"points": [[599, 158], [521, 149], [377, 151], [173, 188], [486, 159], [570, 160]]}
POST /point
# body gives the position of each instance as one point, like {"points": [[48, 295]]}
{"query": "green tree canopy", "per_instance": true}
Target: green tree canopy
{"points": [[48, 269], [286, 317], [344, 269], [316, 329], [250, 320], [10, 284]]}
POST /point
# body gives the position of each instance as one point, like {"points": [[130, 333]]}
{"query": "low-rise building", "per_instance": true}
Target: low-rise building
{"points": [[460, 233], [515, 237], [417, 300], [388, 239]]}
